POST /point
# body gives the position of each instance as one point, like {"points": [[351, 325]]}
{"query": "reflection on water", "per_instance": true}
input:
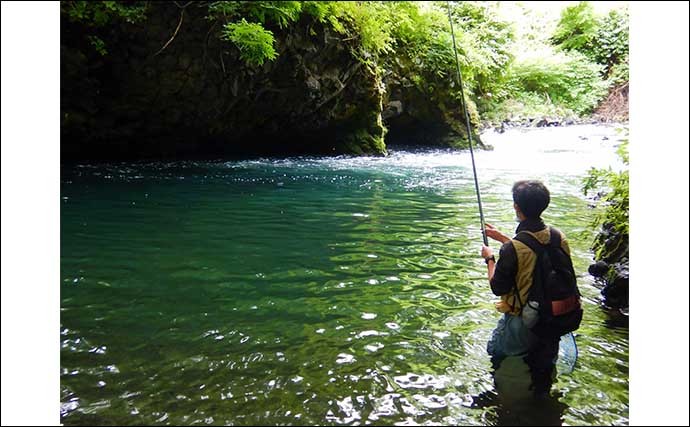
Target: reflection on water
{"points": [[513, 401], [315, 290]]}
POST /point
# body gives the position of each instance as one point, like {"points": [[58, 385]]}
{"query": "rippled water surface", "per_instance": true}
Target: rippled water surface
{"points": [[316, 290]]}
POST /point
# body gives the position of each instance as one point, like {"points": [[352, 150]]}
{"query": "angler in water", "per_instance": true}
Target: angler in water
{"points": [[535, 279], [534, 276]]}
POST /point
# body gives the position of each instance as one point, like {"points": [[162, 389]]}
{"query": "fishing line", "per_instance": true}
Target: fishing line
{"points": [[469, 128]]}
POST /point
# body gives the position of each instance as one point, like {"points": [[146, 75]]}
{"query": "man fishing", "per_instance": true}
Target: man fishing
{"points": [[535, 247], [535, 280]]}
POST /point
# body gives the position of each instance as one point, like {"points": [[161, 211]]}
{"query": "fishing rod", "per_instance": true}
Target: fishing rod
{"points": [[469, 128]]}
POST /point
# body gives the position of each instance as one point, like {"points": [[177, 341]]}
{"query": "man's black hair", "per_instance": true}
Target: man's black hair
{"points": [[532, 197]]}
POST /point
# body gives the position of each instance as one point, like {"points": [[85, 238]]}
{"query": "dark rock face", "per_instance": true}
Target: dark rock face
{"points": [[616, 291], [413, 119], [416, 115], [196, 98], [158, 96]]}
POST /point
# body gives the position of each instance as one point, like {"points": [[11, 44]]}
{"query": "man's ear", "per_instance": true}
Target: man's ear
{"points": [[518, 211]]}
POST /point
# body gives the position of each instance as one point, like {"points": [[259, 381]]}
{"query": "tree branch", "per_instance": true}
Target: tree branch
{"points": [[182, 7], [343, 84], [174, 34]]}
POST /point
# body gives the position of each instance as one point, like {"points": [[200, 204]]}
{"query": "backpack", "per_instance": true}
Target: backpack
{"points": [[553, 305]]}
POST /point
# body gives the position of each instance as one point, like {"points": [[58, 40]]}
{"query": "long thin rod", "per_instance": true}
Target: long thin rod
{"points": [[469, 128]]}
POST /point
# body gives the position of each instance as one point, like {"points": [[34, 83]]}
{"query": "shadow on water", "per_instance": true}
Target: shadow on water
{"points": [[514, 403]]}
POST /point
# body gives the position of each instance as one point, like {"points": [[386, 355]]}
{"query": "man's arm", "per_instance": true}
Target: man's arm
{"points": [[501, 274]]}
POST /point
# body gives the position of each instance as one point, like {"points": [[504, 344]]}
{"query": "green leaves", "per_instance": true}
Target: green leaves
{"points": [[577, 27], [98, 44], [567, 79], [568, 73], [96, 15], [614, 188], [282, 13], [611, 43], [254, 42], [603, 40], [99, 14]]}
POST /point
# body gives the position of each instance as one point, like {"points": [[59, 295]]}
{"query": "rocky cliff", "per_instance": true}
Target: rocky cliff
{"points": [[170, 87]]}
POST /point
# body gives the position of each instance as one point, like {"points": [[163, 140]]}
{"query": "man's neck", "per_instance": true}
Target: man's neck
{"points": [[531, 224]]}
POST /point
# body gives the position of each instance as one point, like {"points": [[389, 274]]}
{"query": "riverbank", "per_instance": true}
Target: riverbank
{"points": [[611, 203], [612, 110], [541, 122]]}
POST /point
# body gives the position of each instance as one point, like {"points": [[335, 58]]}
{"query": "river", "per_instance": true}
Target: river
{"points": [[344, 290]]}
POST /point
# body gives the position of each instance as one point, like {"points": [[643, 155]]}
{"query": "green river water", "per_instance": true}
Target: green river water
{"points": [[316, 290]]}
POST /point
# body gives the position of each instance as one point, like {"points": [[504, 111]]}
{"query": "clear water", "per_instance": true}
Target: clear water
{"points": [[316, 290]]}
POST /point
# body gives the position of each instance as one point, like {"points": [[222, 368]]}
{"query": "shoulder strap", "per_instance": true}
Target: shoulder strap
{"points": [[531, 242], [555, 243], [555, 238], [536, 247]]}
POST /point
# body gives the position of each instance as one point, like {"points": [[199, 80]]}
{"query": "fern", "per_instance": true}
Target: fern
{"points": [[253, 40]]}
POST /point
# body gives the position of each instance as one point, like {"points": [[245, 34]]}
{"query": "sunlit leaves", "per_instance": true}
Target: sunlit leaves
{"points": [[603, 39], [577, 27], [614, 191], [254, 42], [568, 79]]}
